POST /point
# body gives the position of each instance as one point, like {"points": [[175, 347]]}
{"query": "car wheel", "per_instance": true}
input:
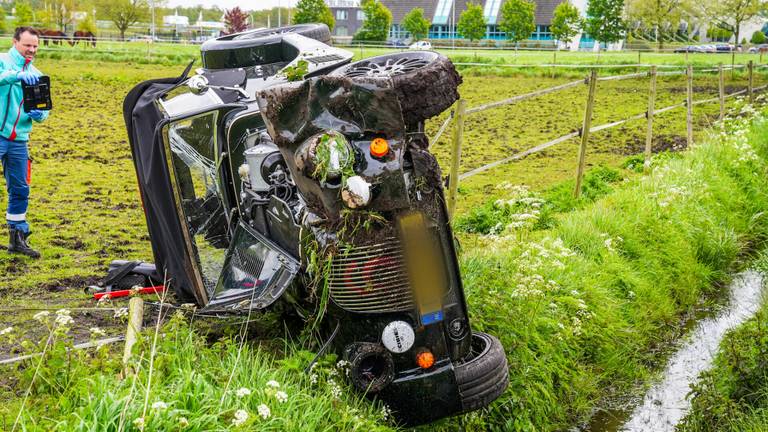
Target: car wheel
{"points": [[483, 376], [426, 83], [256, 47]]}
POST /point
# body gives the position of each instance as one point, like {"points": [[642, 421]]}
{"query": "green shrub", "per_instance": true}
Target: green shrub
{"points": [[758, 37]]}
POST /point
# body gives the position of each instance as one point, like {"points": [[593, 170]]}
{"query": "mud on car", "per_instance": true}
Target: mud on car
{"points": [[282, 173]]}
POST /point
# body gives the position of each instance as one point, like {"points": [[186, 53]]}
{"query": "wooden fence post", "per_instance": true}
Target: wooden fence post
{"points": [[458, 135], [585, 132], [649, 115], [750, 86], [722, 91], [689, 105], [135, 316], [733, 63]]}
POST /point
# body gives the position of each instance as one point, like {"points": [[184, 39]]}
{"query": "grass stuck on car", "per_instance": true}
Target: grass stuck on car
{"points": [[283, 175]]}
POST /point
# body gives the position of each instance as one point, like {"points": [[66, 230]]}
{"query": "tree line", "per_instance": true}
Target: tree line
{"points": [[606, 21]]}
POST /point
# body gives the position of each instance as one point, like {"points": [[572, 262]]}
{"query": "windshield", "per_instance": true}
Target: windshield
{"points": [[192, 148]]}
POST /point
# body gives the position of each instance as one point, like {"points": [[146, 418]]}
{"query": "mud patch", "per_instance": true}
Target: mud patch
{"points": [[76, 282], [661, 143]]}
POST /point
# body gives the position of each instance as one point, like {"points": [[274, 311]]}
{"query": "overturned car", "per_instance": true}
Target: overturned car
{"points": [[283, 173]]}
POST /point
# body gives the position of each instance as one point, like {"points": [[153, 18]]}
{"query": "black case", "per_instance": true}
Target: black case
{"points": [[37, 96]]}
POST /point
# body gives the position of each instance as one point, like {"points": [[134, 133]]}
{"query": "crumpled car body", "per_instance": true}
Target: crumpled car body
{"points": [[281, 172]]}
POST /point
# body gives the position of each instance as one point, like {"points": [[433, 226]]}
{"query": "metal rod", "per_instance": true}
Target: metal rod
{"points": [[721, 86], [649, 131], [689, 105], [458, 135]]}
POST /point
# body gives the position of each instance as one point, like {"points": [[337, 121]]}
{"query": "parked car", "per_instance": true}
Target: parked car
{"points": [[724, 47], [689, 48], [282, 175], [759, 48], [421, 45], [396, 43]]}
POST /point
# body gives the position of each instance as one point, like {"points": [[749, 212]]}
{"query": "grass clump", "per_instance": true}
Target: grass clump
{"points": [[193, 386], [733, 395], [584, 309], [520, 208]]}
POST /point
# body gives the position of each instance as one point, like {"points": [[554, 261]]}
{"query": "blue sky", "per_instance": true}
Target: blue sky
{"points": [[227, 4]]}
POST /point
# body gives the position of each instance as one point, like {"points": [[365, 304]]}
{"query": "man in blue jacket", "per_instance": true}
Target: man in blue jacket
{"points": [[15, 68]]}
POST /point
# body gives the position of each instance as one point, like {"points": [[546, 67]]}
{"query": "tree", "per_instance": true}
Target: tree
{"points": [[518, 20], [472, 23], [658, 16], [566, 22], [758, 37], [313, 11], [124, 13], [377, 21], [415, 24], [23, 14], [61, 13], [730, 14], [605, 22], [235, 20]]}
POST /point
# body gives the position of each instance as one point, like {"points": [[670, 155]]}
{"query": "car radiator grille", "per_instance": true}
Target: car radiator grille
{"points": [[371, 279]]}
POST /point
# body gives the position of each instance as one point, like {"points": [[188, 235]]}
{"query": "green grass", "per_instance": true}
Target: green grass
{"points": [[733, 394], [621, 267]]}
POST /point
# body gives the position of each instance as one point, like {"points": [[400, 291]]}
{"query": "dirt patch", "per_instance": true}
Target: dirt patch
{"points": [[706, 89], [661, 143], [76, 282]]}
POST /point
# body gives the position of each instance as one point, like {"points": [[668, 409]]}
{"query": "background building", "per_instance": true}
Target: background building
{"points": [[443, 14]]}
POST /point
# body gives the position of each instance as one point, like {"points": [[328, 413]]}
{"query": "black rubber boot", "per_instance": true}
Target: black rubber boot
{"points": [[18, 244]]}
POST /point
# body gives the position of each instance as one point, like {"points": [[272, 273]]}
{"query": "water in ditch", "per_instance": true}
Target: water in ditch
{"points": [[665, 404]]}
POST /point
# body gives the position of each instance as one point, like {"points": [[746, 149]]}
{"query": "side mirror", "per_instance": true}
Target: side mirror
{"points": [[197, 84]]}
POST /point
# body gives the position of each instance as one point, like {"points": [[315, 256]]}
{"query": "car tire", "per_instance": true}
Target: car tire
{"points": [[255, 47], [426, 83], [484, 375]]}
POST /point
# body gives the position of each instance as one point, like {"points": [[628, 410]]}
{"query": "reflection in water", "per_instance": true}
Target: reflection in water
{"points": [[665, 404]]}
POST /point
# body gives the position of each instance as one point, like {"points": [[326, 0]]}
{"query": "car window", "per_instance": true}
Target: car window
{"points": [[191, 143]]}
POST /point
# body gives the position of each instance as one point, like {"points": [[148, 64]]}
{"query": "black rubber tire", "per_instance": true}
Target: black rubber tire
{"points": [[426, 82], [484, 376]]}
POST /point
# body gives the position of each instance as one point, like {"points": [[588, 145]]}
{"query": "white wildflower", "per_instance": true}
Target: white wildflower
{"points": [[385, 412], [241, 416], [183, 422], [242, 392], [159, 405], [5, 331], [41, 316], [313, 379], [63, 320], [121, 312], [264, 411], [95, 331], [139, 423], [281, 396], [273, 384]]}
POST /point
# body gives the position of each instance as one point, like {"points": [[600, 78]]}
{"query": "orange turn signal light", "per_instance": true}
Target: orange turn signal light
{"points": [[379, 147], [425, 359]]}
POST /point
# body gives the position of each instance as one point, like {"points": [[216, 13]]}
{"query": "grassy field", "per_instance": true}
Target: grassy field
{"points": [[617, 304]]}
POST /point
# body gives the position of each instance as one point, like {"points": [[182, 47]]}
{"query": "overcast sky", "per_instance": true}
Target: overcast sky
{"points": [[228, 4]]}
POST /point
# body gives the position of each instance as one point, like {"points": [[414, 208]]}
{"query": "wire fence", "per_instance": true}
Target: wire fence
{"points": [[458, 115]]}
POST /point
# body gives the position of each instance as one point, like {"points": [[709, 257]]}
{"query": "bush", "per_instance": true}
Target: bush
{"points": [[758, 37]]}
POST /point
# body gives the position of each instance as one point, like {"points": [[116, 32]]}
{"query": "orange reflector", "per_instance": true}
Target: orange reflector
{"points": [[425, 359], [379, 147]]}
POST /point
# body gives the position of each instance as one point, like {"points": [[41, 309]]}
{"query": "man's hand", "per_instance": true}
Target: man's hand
{"points": [[28, 77], [35, 115]]}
